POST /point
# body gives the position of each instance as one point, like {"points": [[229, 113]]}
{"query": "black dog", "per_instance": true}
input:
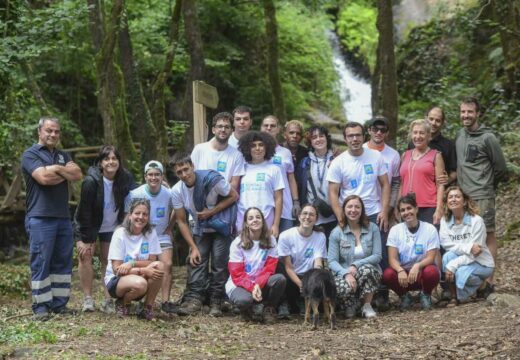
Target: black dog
{"points": [[319, 287]]}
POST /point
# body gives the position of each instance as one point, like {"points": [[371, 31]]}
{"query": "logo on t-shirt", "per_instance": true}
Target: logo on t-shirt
{"points": [[144, 248], [248, 268], [260, 177], [353, 184], [277, 159], [160, 212], [61, 159], [419, 249], [369, 169], [221, 166], [308, 253]]}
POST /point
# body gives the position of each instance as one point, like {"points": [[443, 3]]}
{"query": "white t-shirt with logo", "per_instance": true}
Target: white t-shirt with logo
{"points": [[412, 248], [254, 259], [391, 160], [233, 141], [257, 188], [109, 223], [182, 197], [160, 208], [126, 247], [302, 250], [228, 162], [358, 175], [283, 159]]}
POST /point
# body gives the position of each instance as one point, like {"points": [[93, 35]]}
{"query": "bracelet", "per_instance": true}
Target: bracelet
{"points": [[132, 262]]}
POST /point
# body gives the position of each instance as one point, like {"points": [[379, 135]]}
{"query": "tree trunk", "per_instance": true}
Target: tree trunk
{"points": [[158, 100], [507, 15], [140, 113], [35, 88], [388, 100], [376, 80], [110, 85], [271, 31], [197, 66]]}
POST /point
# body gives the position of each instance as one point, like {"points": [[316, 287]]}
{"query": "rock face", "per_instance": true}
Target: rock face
{"points": [[504, 300]]}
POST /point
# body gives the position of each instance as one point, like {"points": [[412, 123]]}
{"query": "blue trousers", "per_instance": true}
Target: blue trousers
{"points": [[51, 246]]}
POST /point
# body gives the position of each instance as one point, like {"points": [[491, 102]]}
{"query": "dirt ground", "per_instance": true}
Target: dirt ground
{"points": [[473, 331]]}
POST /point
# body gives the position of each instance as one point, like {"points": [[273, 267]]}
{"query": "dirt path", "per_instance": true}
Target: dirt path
{"points": [[472, 331]]}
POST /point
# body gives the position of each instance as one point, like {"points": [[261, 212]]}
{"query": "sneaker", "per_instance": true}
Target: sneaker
{"points": [[258, 312], [190, 307], [169, 307], [381, 302], [367, 311], [406, 302], [88, 304], [146, 313], [108, 306], [350, 312], [65, 311], [269, 315], [426, 301], [486, 291], [214, 309], [283, 311], [41, 316], [122, 309], [226, 306]]}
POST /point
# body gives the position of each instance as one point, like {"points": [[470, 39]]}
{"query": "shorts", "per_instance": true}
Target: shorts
{"points": [[112, 286], [105, 237], [165, 246], [487, 212]]}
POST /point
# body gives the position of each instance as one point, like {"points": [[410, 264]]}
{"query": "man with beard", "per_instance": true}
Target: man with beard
{"points": [[217, 154]]}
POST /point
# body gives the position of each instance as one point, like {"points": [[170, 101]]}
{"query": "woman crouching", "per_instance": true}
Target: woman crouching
{"points": [[133, 271]]}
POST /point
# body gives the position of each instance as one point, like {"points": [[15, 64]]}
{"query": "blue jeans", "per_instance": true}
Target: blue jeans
{"points": [[286, 224], [51, 245]]}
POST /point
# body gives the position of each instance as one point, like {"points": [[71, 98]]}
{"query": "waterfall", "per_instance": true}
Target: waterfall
{"points": [[355, 92]]}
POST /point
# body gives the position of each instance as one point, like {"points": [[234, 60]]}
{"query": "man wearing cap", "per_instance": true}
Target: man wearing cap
{"points": [[47, 171], [242, 122], [160, 213], [378, 130], [217, 155]]}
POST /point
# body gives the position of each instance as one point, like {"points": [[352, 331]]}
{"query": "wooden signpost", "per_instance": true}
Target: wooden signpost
{"points": [[204, 95]]}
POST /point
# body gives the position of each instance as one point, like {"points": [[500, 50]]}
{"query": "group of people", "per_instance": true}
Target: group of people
{"points": [[257, 215]]}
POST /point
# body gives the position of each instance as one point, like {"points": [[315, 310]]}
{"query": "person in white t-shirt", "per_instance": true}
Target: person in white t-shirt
{"points": [[133, 271], [354, 256], [100, 210], [262, 185], [217, 154], [301, 249], [412, 248], [208, 247], [361, 172], [160, 217], [283, 159], [242, 122], [467, 262], [253, 285]]}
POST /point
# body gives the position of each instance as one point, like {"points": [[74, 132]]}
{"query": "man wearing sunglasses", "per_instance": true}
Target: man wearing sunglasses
{"points": [[378, 131]]}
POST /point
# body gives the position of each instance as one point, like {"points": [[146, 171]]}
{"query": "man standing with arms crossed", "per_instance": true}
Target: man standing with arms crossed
{"points": [[481, 166], [46, 171]]}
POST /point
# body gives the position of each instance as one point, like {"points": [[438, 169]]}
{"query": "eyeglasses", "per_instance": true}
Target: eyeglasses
{"points": [[382, 130], [222, 127]]}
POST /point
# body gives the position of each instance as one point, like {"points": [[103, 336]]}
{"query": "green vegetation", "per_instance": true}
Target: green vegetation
{"points": [[15, 280], [26, 333]]}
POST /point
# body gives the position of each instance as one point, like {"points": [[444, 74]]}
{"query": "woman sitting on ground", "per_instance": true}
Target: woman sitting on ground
{"points": [[467, 262], [301, 249], [354, 256], [412, 248], [253, 285], [133, 271], [99, 212]]}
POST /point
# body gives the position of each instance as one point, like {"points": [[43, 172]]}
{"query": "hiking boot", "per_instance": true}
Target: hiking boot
{"points": [[41, 316], [486, 291], [258, 312], [190, 307], [108, 306], [350, 312], [122, 309], [283, 311], [406, 302], [226, 306], [169, 307], [426, 301], [367, 311], [215, 309], [88, 304], [381, 302], [146, 313], [65, 311], [269, 315]]}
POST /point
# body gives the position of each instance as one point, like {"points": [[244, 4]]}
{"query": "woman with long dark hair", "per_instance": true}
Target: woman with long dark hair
{"points": [[99, 212]]}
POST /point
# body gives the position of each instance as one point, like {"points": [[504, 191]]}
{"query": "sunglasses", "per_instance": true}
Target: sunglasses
{"points": [[382, 130]]}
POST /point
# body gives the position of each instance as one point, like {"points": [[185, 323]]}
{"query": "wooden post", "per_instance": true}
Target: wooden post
{"points": [[204, 95]]}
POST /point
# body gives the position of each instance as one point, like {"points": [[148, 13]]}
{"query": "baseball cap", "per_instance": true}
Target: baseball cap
{"points": [[153, 164]]}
